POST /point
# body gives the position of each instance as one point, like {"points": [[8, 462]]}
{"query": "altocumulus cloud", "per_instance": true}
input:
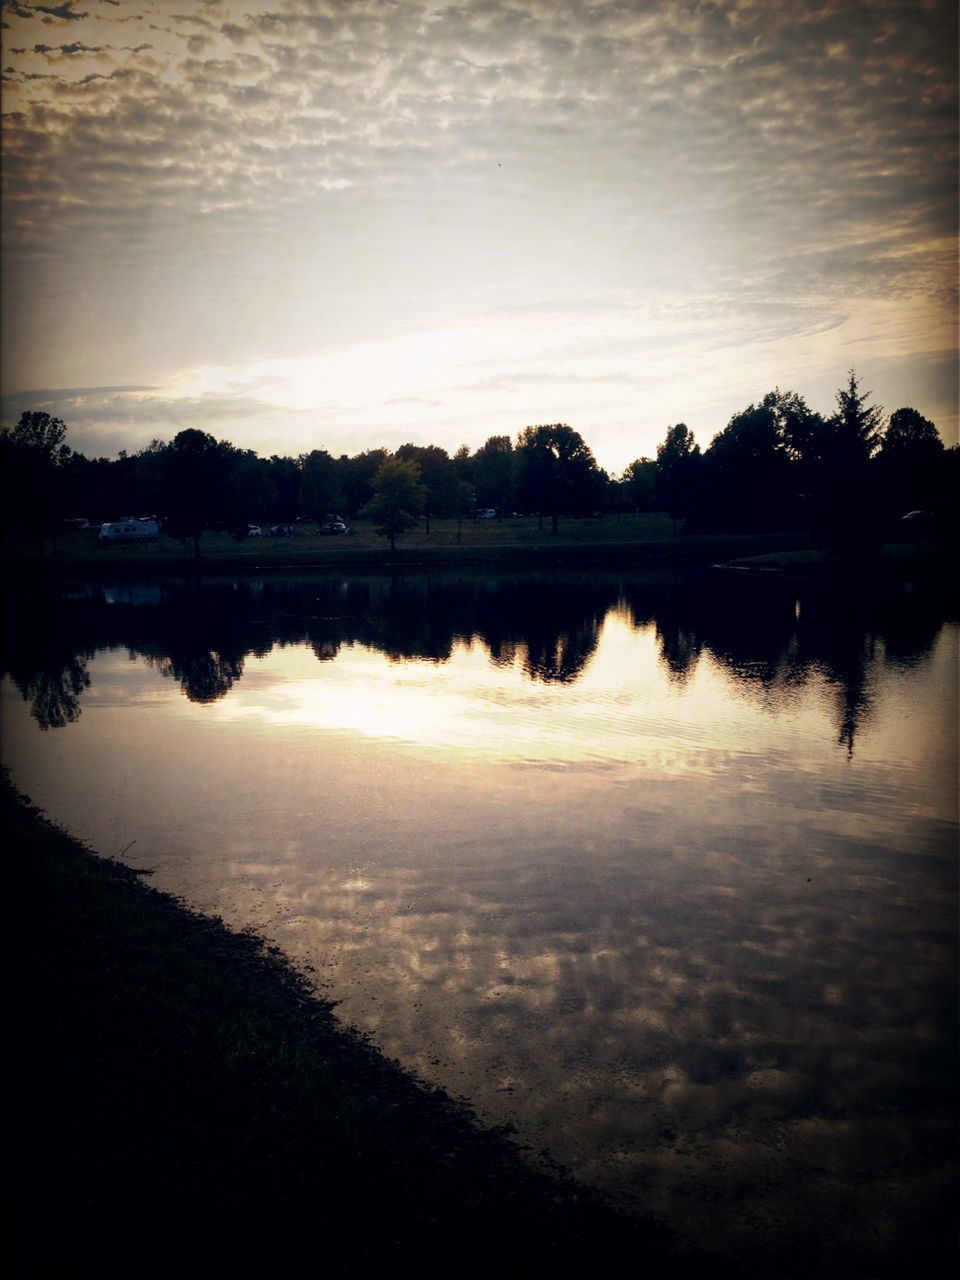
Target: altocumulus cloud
{"points": [[242, 182]]}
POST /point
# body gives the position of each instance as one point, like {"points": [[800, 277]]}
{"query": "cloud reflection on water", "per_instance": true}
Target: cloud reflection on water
{"points": [[658, 916], [687, 1019]]}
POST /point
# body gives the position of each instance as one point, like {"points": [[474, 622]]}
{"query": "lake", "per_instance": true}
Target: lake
{"points": [[661, 873]]}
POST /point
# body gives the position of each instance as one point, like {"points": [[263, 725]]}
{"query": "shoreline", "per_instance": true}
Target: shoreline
{"points": [[173, 1072]]}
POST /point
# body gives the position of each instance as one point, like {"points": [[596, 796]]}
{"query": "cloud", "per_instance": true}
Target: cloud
{"points": [[386, 168], [384, 89], [50, 13]]}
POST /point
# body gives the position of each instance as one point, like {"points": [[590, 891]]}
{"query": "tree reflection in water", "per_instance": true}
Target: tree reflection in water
{"points": [[767, 635], [716, 969], [54, 691]]}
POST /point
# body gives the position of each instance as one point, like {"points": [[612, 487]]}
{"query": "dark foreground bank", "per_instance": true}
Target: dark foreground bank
{"points": [[184, 1105]]}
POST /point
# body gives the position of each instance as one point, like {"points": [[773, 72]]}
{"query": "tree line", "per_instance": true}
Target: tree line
{"points": [[776, 465]]}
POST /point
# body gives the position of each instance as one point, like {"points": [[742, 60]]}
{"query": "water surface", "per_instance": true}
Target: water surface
{"points": [[663, 875]]}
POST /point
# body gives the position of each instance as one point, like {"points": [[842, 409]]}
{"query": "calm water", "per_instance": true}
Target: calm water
{"points": [[664, 876]]}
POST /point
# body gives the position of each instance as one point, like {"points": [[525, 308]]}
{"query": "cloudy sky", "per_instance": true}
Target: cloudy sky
{"points": [[342, 224]]}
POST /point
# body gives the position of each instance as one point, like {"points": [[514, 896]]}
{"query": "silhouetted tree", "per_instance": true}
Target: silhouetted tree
{"points": [[910, 464], [321, 493], [805, 437], [678, 460], [857, 425], [557, 473], [249, 492], [495, 474], [196, 469], [356, 477], [463, 464], [33, 458], [438, 476], [398, 498], [848, 510], [38, 434], [284, 476], [146, 481], [909, 432], [464, 501], [638, 484], [749, 480]]}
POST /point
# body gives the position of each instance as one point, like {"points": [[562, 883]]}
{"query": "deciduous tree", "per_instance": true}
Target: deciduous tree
{"points": [[398, 498], [195, 467], [677, 461], [321, 493], [495, 474], [32, 461], [438, 476], [748, 476], [557, 472], [910, 464], [638, 484], [909, 432]]}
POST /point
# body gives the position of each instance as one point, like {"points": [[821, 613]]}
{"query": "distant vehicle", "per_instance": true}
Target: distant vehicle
{"points": [[254, 531], [129, 531], [333, 527], [486, 513]]}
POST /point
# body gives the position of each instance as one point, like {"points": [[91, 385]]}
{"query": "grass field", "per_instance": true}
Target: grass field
{"points": [[629, 542], [307, 543], [512, 541]]}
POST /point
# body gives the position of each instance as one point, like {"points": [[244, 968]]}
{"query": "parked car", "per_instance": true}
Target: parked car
{"points": [[333, 527], [486, 513]]}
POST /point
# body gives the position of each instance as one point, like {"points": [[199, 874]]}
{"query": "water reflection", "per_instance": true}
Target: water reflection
{"points": [[47, 667], [585, 851], [769, 640]]}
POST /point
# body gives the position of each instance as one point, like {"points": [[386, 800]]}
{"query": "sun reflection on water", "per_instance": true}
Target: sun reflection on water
{"points": [[620, 710]]}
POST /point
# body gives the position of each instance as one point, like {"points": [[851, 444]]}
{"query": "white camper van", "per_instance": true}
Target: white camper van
{"points": [[129, 531]]}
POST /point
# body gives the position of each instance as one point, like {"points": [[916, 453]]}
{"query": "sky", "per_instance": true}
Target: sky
{"points": [[347, 224]]}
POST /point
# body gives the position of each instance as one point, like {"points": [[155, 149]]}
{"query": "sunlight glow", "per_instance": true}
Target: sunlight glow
{"points": [[621, 711]]}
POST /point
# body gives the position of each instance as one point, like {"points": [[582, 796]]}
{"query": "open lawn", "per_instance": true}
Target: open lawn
{"points": [[514, 542], [627, 542]]}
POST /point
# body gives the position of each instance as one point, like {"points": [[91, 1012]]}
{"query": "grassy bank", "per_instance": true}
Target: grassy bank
{"points": [[520, 542], [615, 542], [183, 1100], [893, 560]]}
